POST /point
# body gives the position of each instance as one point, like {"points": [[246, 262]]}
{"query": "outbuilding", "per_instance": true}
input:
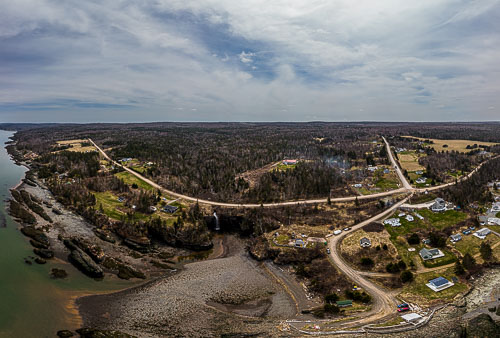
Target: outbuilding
{"points": [[365, 242], [411, 317]]}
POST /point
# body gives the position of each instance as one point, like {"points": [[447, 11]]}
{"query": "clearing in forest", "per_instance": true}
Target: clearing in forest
{"points": [[409, 161], [455, 145], [82, 146]]}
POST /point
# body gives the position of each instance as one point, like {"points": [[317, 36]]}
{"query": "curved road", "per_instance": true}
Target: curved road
{"points": [[406, 187], [245, 205], [383, 301], [402, 177]]}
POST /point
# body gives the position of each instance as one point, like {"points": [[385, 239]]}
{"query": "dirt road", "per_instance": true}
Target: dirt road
{"points": [[383, 301], [402, 177], [406, 187], [245, 205]]}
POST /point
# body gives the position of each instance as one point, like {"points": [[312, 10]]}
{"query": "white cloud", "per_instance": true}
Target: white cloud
{"points": [[323, 58]]}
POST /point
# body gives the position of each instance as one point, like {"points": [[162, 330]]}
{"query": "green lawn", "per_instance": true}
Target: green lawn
{"points": [[498, 214], [468, 244], [112, 208], [447, 259], [282, 166], [139, 168], [442, 220], [418, 287], [109, 203], [130, 179]]}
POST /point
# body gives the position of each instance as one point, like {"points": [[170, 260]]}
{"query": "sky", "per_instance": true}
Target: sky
{"points": [[252, 60]]}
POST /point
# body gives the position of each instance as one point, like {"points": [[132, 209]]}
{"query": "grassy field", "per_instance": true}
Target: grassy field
{"points": [[456, 145], [112, 208], [76, 145], [387, 182], [409, 161], [398, 235], [417, 291], [130, 179]]}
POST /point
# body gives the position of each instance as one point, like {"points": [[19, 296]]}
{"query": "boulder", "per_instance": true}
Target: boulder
{"points": [[65, 334], [482, 326], [85, 264], [38, 245], [39, 260], [44, 253], [58, 273], [104, 235], [36, 235], [143, 245]]}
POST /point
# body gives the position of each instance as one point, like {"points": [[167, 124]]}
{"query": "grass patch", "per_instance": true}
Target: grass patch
{"points": [[417, 288], [447, 259], [130, 179], [282, 166], [395, 321], [441, 220], [456, 145], [112, 208]]}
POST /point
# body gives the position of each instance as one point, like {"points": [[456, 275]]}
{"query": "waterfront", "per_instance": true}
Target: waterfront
{"points": [[31, 303]]}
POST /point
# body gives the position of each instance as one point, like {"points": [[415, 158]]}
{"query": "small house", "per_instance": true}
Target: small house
{"points": [[455, 238], [411, 317], [439, 205], [289, 162], [170, 209], [393, 222], [439, 284], [419, 172], [344, 303], [482, 233], [365, 242], [357, 185], [409, 218], [493, 221], [421, 180], [299, 243], [428, 254], [152, 208]]}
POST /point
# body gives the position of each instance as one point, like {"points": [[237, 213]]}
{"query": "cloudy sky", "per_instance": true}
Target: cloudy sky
{"points": [[252, 60]]}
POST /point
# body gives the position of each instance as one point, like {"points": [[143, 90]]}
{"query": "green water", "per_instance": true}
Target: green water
{"points": [[31, 303]]}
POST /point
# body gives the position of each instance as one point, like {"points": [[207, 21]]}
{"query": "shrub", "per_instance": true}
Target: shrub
{"points": [[406, 276], [331, 298], [392, 268], [485, 250], [468, 261], [402, 265], [366, 261], [331, 308], [385, 247], [459, 268], [413, 239]]}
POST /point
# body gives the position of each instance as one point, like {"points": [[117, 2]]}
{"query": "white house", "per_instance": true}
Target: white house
{"points": [[421, 180], [493, 221], [393, 222], [411, 317], [439, 284], [428, 254], [409, 218], [438, 205], [365, 242], [482, 233]]}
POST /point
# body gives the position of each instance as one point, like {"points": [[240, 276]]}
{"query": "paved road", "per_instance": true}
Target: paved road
{"points": [[383, 301], [245, 205], [402, 177]]}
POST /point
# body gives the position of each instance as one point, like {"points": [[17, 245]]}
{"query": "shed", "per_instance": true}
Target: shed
{"points": [[439, 284], [365, 242], [456, 238], [344, 303], [411, 317]]}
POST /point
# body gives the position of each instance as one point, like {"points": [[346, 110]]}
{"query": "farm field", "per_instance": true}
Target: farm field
{"points": [[130, 179], [76, 145], [409, 161], [452, 145]]}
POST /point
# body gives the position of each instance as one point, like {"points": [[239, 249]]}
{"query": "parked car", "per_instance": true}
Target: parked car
{"points": [[337, 232], [403, 309], [328, 250], [403, 305], [466, 232], [472, 228], [347, 229]]}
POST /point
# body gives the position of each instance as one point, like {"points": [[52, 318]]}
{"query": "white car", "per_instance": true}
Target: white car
{"points": [[328, 250], [337, 232]]}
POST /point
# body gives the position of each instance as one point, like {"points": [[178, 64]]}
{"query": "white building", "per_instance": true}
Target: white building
{"points": [[439, 284], [482, 233]]}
